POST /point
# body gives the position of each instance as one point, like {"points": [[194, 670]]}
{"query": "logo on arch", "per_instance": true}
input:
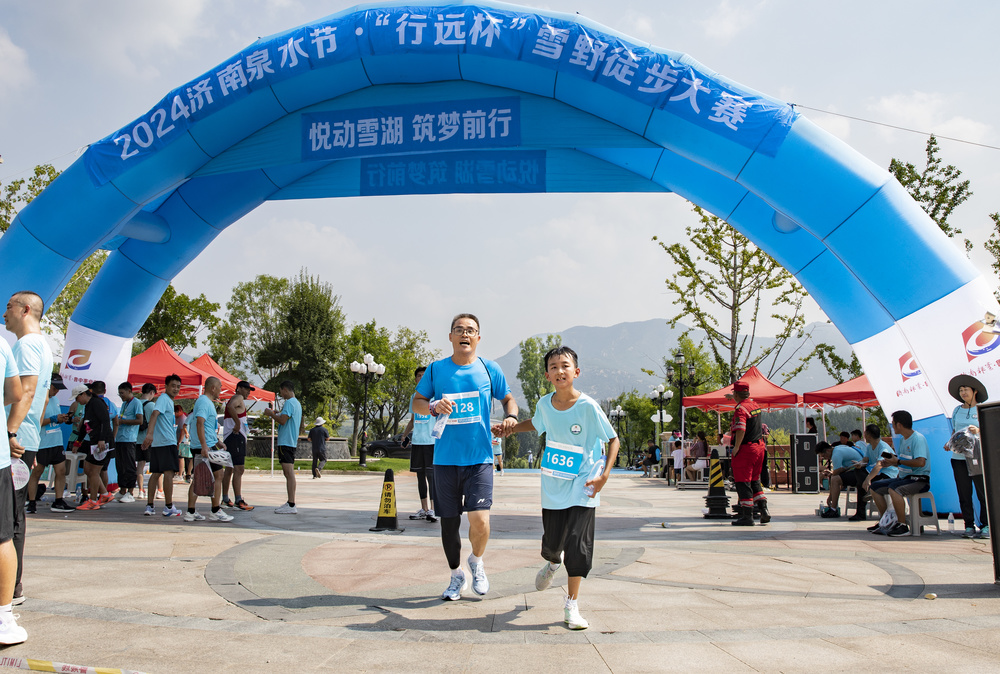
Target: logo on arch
{"points": [[908, 367], [78, 359], [979, 343]]}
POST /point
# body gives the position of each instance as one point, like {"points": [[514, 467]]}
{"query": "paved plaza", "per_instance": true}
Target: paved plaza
{"points": [[670, 590]]}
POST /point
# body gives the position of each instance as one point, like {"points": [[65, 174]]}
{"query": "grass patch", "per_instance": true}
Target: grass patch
{"points": [[258, 463]]}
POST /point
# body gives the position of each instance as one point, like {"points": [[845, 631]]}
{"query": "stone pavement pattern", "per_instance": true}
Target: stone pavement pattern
{"points": [[318, 592]]}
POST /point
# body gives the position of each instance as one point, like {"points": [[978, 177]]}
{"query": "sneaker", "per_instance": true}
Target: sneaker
{"points": [[859, 517], [572, 617], [875, 527], [899, 530], [458, 583], [227, 503], [10, 631], [221, 516], [286, 510], [243, 505], [970, 532], [544, 576], [480, 584], [17, 601], [172, 511], [430, 517], [127, 498], [984, 532], [419, 515], [60, 506], [150, 510], [193, 517], [31, 508], [830, 513], [89, 505], [105, 498]]}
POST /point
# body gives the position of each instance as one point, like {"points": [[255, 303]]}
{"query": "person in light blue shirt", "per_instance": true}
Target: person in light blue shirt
{"points": [[203, 428], [422, 455], [914, 462], [161, 444], [50, 451], [969, 391], [289, 421], [576, 430], [126, 434], [847, 467], [12, 395]]}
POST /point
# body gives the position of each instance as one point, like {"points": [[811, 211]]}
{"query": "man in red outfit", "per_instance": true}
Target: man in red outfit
{"points": [[748, 456]]}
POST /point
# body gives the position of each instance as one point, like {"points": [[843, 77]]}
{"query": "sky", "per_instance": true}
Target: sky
{"points": [[73, 72]]}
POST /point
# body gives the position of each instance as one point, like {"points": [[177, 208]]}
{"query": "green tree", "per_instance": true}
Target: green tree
{"points": [[255, 314], [309, 345], [992, 247], [637, 425], [177, 319], [531, 373], [364, 338], [936, 188], [708, 377], [19, 193], [407, 350], [727, 274]]}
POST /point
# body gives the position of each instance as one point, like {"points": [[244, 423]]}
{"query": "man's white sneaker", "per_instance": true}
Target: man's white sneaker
{"points": [[572, 617], [480, 584], [286, 510], [432, 518], [544, 576], [172, 511], [419, 515], [458, 583], [127, 498], [221, 516], [193, 517], [150, 510], [10, 631]]}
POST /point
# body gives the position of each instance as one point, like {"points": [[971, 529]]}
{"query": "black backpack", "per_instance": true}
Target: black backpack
{"points": [[144, 424]]}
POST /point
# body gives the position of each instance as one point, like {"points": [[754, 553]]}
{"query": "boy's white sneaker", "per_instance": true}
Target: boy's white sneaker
{"points": [[572, 617], [544, 577], [193, 517], [419, 515], [480, 583], [221, 516], [10, 631], [286, 510], [458, 583]]}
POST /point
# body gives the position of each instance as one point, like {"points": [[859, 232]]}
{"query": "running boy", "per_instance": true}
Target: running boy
{"points": [[575, 427]]}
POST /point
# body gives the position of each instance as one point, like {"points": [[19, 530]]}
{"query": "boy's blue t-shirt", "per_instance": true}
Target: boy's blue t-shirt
{"points": [[288, 432], [204, 408], [52, 435], [578, 432], [845, 456], [129, 411], [422, 424], [467, 439], [33, 357], [165, 433], [873, 454], [914, 447]]}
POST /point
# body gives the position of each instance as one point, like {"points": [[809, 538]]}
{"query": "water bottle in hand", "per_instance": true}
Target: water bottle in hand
{"points": [[439, 424], [594, 474]]}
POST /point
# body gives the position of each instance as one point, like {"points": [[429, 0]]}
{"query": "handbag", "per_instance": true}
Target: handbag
{"points": [[202, 480]]}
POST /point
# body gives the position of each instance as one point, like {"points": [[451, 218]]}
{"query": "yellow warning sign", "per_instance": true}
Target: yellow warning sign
{"points": [[387, 507]]}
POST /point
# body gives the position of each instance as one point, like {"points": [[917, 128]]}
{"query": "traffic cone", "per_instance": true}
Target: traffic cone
{"points": [[387, 506], [717, 500]]}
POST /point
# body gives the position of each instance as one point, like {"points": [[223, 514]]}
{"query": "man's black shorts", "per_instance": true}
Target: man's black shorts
{"points": [[50, 456], [7, 504], [141, 454], [89, 449], [462, 489], [164, 459], [237, 446], [854, 478], [568, 534], [421, 457], [285, 455]]}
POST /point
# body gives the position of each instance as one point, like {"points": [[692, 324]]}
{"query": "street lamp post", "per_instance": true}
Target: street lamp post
{"points": [[659, 394], [681, 381], [366, 371], [617, 416]]}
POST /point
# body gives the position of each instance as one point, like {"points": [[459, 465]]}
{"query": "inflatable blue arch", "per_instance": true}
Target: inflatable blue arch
{"points": [[489, 97]]}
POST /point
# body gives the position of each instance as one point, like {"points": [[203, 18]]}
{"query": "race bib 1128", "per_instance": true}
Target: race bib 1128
{"points": [[465, 409]]}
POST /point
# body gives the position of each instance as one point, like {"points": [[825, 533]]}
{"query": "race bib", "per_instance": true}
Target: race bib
{"points": [[562, 461], [465, 409]]}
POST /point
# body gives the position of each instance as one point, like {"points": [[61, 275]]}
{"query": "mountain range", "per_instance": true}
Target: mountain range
{"points": [[612, 358]]}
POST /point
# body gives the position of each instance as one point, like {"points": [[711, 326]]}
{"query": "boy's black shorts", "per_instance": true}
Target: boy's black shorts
{"points": [[8, 497], [568, 537]]}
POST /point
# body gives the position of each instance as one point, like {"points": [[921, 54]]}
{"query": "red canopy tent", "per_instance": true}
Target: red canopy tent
{"points": [[154, 364], [207, 364], [764, 392], [857, 392]]}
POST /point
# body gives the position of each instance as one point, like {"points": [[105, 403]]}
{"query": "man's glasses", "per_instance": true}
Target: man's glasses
{"points": [[459, 331]]}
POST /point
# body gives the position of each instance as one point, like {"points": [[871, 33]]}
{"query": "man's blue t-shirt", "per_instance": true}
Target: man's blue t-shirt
{"points": [[874, 454], [130, 432], [914, 447], [288, 432], [204, 408], [165, 433], [52, 434], [421, 427], [467, 439], [33, 357], [8, 366], [573, 444], [845, 456]]}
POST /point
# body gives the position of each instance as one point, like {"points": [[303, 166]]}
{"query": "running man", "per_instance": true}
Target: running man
{"points": [[421, 455], [463, 387]]}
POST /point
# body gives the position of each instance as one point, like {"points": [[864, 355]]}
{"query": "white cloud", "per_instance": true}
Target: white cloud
{"points": [[731, 18], [14, 69], [928, 112]]}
